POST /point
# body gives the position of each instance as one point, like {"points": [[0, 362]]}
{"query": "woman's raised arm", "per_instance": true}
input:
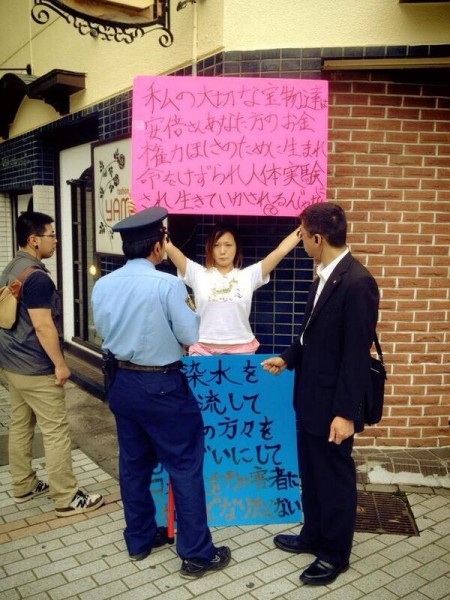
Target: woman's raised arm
{"points": [[177, 257], [174, 253], [271, 261]]}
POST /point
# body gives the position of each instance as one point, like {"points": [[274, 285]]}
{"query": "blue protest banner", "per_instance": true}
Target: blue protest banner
{"points": [[250, 470]]}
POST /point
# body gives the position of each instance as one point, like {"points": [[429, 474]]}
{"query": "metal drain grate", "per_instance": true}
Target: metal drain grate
{"points": [[381, 512]]}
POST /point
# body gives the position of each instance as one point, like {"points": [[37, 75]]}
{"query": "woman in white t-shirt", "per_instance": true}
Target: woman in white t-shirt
{"points": [[223, 290]]}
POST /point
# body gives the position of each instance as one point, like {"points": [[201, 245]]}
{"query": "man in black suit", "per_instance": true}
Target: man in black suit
{"points": [[331, 358]]}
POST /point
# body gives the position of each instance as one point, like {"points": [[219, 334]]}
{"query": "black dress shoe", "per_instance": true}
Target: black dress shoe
{"points": [[292, 543], [159, 540], [322, 573]]}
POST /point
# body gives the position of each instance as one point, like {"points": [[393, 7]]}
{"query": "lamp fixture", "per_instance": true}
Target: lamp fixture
{"points": [[28, 69], [110, 20]]}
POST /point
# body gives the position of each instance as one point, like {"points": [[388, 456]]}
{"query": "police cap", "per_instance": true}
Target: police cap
{"points": [[141, 226]]}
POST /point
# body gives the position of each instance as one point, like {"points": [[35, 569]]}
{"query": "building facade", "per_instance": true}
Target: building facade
{"points": [[65, 102]]}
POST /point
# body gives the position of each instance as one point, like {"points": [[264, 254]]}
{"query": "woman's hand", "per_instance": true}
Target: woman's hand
{"points": [[131, 206]]}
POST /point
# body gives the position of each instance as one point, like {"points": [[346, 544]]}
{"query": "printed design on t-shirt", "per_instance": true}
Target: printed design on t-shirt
{"points": [[226, 292]]}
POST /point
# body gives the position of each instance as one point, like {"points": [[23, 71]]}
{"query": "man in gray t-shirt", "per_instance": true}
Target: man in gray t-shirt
{"points": [[33, 366]]}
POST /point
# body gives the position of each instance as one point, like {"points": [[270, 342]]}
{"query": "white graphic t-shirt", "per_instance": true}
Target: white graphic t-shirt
{"points": [[224, 301]]}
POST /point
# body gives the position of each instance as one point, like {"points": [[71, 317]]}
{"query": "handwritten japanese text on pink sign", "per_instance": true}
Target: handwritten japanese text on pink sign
{"points": [[228, 145]]}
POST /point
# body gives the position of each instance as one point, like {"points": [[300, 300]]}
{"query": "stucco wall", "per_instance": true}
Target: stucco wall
{"points": [[328, 23], [201, 30], [110, 66]]}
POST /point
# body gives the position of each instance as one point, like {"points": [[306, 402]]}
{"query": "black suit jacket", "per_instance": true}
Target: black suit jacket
{"points": [[332, 367]]}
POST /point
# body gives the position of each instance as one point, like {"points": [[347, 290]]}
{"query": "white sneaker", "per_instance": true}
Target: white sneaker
{"points": [[41, 488], [81, 503]]}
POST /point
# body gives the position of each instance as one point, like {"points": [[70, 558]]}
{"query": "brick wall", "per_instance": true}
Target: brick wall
{"points": [[389, 168]]}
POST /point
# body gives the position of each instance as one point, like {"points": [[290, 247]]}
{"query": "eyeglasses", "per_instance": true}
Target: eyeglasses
{"points": [[51, 235]]}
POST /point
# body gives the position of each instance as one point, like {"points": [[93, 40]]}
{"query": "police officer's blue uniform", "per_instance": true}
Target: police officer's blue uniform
{"points": [[144, 318]]}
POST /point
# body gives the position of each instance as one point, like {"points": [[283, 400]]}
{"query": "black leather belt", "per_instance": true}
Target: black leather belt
{"points": [[124, 364]]}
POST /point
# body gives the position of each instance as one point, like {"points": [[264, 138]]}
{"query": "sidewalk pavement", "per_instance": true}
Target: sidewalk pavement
{"points": [[83, 557]]}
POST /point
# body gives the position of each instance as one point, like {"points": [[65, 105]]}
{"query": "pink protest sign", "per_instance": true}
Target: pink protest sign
{"points": [[240, 146]]}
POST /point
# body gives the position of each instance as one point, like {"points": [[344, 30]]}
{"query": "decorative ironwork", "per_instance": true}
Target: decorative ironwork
{"points": [[110, 30], [183, 3]]}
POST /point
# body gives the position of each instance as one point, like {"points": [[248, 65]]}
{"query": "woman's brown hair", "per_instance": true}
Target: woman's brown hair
{"points": [[218, 231]]}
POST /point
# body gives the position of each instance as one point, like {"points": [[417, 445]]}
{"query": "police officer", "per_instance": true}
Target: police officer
{"points": [[145, 317]]}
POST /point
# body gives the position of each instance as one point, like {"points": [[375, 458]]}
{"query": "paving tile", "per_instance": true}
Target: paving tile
{"points": [[103, 592], [426, 537], [10, 557], [276, 589], [115, 560], [142, 593], [369, 563], [71, 590], [405, 585], [85, 558], [247, 537], [280, 571], [95, 520], [397, 551], [367, 548], [306, 592], [14, 581], [440, 514], [273, 556], [244, 567], [346, 592], [59, 566], [237, 588], [437, 589], [61, 552], [113, 574], [244, 552], [85, 570], [26, 564], [433, 570], [111, 527], [429, 553], [433, 502], [104, 539], [10, 595], [40, 585], [415, 596], [211, 595], [381, 594], [206, 583], [178, 594], [147, 576], [402, 566], [373, 581], [53, 534]]}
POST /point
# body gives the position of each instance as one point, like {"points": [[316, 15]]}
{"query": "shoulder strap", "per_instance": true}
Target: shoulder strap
{"points": [[378, 348], [21, 278], [24, 274]]}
